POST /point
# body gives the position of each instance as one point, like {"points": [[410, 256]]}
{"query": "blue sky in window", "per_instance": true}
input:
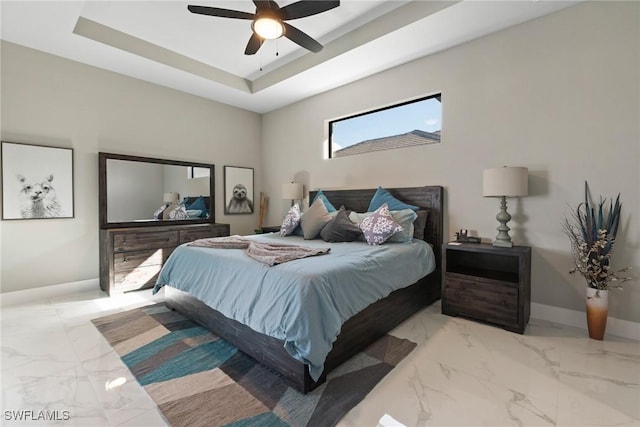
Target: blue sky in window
{"points": [[424, 115]]}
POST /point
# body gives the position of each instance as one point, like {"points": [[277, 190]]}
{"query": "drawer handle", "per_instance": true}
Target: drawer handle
{"points": [[124, 242], [125, 259]]}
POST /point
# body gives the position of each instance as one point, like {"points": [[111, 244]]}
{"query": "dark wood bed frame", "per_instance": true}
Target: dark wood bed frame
{"points": [[359, 331]]}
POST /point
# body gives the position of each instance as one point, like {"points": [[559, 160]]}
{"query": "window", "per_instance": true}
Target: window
{"points": [[410, 123], [196, 172]]}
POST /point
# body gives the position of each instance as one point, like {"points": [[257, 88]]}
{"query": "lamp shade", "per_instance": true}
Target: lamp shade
{"points": [[171, 197], [505, 181], [292, 191]]}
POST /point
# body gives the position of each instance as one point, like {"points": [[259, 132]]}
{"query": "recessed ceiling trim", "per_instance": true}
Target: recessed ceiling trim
{"points": [[112, 37], [369, 32]]}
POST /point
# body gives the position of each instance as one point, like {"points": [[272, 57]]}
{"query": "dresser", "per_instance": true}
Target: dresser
{"points": [[487, 283], [131, 258]]}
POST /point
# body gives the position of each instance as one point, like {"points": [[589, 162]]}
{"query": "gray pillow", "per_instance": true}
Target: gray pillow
{"points": [[420, 224], [378, 227], [340, 229], [314, 219]]}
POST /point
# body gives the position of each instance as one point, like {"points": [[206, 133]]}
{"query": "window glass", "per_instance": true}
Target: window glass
{"points": [[416, 122]]}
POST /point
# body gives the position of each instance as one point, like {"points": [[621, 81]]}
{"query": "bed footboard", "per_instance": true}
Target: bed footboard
{"points": [[357, 333]]}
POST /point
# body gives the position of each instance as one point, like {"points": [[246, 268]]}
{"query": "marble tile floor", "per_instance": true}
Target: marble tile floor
{"points": [[462, 373]]}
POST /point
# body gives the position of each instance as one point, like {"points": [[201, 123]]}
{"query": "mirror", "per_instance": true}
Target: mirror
{"points": [[141, 191]]}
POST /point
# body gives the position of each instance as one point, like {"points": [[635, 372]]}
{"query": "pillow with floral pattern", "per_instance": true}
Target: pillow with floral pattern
{"points": [[379, 226], [291, 221]]}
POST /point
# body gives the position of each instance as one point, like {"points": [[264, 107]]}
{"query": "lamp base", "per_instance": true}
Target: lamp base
{"points": [[503, 244], [503, 239]]}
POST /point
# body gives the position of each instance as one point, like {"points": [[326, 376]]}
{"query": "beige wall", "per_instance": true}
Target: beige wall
{"points": [[559, 95], [54, 101]]}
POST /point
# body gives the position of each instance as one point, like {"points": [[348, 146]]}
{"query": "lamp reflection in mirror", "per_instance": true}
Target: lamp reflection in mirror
{"points": [[292, 191], [171, 199], [504, 182]]}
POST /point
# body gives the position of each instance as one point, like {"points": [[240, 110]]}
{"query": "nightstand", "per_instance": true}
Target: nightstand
{"points": [[487, 283], [272, 229]]}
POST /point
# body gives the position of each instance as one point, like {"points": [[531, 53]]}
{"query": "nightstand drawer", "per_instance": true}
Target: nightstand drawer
{"points": [[490, 300], [125, 261], [126, 242]]}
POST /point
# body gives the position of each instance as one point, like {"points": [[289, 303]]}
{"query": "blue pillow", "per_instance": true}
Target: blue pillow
{"points": [[199, 205], [383, 196], [327, 204]]}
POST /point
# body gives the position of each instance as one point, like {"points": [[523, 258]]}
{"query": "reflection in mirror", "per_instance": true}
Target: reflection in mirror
{"points": [[137, 190]]}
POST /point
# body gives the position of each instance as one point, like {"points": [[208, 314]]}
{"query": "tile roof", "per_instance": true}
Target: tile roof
{"points": [[415, 137]]}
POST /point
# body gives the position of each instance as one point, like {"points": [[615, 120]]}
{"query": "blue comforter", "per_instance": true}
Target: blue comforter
{"points": [[302, 302]]}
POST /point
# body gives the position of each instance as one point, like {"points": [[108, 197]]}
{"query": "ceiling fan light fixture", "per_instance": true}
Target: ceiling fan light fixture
{"points": [[268, 28]]}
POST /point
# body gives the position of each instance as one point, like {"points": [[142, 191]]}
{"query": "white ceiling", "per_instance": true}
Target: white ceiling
{"points": [[163, 43]]}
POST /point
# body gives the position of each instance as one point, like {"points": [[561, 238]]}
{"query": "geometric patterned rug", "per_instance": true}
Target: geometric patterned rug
{"points": [[198, 379]]}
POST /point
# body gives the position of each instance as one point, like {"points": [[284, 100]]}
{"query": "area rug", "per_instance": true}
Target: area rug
{"points": [[198, 379]]}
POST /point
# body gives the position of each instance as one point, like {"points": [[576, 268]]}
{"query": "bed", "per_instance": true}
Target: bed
{"points": [[359, 330]]}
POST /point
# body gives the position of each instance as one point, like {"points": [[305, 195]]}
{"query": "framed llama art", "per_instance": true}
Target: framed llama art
{"points": [[37, 181]]}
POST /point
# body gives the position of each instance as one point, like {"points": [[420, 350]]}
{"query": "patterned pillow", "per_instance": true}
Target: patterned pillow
{"points": [[340, 229], [314, 219], [406, 218], [378, 227], [291, 221], [179, 213], [158, 213]]}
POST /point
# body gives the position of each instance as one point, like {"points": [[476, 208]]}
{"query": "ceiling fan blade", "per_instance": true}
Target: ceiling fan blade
{"points": [[254, 44], [266, 5], [302, 9], [298, 37], [223, 13]]}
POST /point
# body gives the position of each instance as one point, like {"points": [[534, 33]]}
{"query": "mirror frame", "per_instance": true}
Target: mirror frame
{"points": [[102, 191]]}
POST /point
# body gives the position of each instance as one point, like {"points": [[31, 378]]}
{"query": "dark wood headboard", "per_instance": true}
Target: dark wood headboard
{"points": [[430, 197]]}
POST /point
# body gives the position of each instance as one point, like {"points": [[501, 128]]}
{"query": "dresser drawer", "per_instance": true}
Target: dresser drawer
{"points": [[125, 261], [138, 278], [126, 242], [191, 235], [494, 301]]}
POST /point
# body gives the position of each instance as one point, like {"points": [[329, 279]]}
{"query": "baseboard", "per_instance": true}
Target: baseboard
{"points": [[618, 327], [45, 292]]}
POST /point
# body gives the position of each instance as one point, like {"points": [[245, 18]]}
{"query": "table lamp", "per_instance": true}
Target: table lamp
{"points": [[504, 182], [293, 191]]}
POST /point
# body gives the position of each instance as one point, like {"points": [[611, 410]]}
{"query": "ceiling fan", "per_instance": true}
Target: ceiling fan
{"points": [[268, 21]]}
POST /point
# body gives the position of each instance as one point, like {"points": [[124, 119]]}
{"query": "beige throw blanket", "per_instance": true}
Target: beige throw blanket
{"points": [[268, 253]]}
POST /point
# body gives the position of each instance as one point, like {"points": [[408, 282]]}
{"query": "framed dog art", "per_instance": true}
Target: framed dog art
{"points": [[37, 181], [238, 190]]}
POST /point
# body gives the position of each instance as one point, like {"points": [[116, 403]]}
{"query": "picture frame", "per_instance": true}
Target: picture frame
{"points": [[37, 181], [238, 190]]}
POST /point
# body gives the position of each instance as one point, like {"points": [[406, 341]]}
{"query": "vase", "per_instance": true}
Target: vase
{"points": [[597, 312]]}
